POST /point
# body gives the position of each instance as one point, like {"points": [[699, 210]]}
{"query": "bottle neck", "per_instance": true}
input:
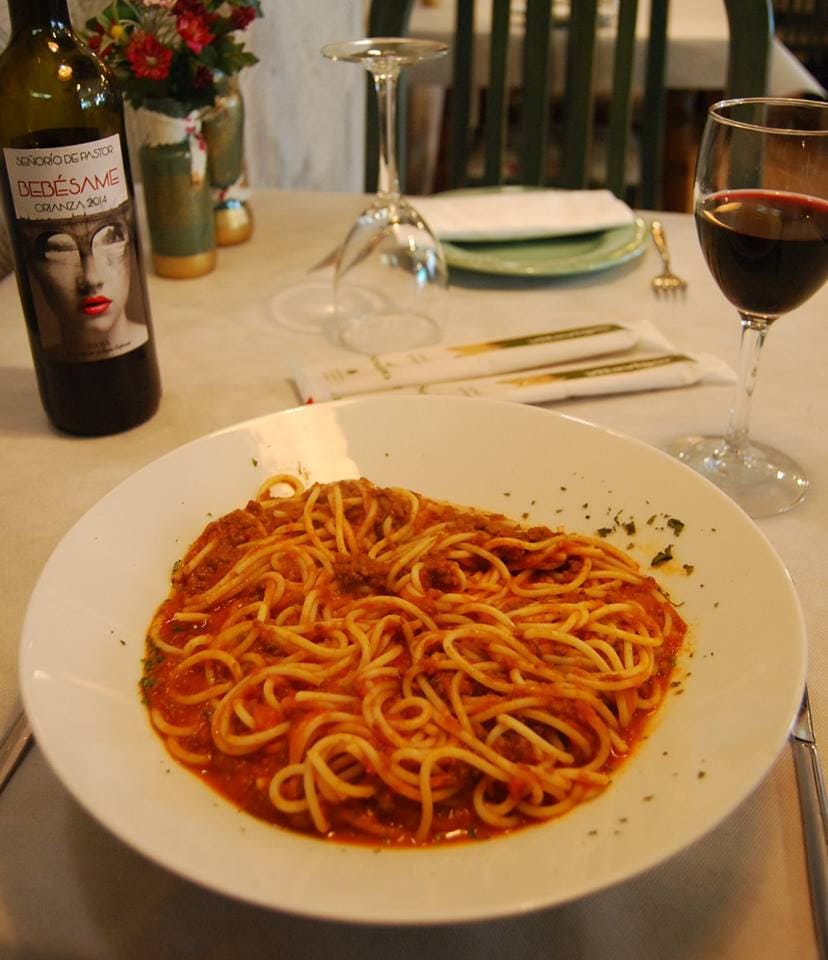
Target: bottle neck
{"points": [[38, 14]]}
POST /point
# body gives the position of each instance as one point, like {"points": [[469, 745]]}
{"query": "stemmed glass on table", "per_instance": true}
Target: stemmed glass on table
{"points": [[761, 203], [390, 278]]}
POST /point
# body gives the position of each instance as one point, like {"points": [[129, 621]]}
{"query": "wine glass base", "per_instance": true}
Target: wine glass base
{"points": [[762, 480], [305, 307], [387, 332], [309, 307]]}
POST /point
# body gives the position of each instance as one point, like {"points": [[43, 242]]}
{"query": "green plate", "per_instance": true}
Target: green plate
{"points": [[550, 256]]}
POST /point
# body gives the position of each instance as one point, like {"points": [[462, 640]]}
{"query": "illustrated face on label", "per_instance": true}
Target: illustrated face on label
{"points": [[73, 214], [83, 270]]}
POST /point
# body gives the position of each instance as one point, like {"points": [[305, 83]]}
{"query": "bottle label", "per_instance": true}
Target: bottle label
{"points": [[75, 220]]}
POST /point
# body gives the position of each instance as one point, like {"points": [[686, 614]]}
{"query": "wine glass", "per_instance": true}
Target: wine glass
{"points": [[390, 278], [761, 205]]}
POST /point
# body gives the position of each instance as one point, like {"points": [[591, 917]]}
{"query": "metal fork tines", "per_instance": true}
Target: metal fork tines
{"points": [[666, 282]]}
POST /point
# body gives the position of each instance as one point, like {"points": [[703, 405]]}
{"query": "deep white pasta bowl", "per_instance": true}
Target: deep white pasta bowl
{"points": [[741, 673]]}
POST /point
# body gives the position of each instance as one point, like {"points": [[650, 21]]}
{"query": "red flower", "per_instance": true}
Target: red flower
{"points": [[240, 17], [202, 78], [148, 58], [194, 31]]}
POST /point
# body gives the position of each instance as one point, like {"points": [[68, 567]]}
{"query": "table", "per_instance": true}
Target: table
{"points": [[68, 889]]}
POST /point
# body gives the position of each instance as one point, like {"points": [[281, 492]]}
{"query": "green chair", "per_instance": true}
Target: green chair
{"points": [[802, 25], [750, 39]]}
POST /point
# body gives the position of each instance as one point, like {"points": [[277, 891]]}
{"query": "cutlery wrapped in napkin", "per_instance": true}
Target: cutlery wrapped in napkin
{"points": [[617, 374], [460, 361], [520, 214], [531, 368]]}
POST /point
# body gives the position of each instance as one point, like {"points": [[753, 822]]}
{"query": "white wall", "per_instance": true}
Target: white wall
{"points": [[306, 116]]}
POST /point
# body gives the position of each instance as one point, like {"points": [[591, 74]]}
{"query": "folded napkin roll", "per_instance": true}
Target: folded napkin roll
{"points": [[630, 373], [457, 361], [518, 214]]}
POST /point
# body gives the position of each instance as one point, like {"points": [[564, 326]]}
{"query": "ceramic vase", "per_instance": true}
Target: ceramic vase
{"points": [[177, 193], [223, 129]]}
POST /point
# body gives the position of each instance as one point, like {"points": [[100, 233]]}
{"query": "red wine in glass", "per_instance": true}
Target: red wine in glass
{"points": [[762, 217], [767, 249]]}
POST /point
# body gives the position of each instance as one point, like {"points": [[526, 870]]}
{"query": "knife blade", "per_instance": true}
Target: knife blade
{"points": [[13, 747], [813, 805]]}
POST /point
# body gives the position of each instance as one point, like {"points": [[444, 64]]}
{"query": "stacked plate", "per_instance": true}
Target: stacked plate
{"points": [[519, 232]]}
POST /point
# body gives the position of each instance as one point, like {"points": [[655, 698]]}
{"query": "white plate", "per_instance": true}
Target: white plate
{"points": [[83, 639]]}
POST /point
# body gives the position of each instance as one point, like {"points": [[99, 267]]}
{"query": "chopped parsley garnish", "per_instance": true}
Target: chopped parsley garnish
{"points": [[662, 556], [676, 525]]}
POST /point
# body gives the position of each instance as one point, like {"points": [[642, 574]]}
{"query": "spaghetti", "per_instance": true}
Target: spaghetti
{"points": [[368, 663]]}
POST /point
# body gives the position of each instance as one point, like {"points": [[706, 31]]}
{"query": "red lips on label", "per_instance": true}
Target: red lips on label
{"points": [[93, 306]]}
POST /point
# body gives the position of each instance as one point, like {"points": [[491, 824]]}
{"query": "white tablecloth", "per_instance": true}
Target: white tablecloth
{"points": [[70, 890]]}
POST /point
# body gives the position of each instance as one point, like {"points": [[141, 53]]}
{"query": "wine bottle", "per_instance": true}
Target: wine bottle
{"points": [[69, 202]]}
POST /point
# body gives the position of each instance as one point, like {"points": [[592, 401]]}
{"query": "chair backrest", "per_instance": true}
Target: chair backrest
{"points": [[802, 25], [750, 38]]}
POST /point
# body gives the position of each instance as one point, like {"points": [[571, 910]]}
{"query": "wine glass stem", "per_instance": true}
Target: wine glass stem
{"points": [[754, 331], [385, 83]]}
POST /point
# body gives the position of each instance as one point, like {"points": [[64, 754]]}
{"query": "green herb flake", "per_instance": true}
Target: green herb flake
{"points": [[604, 531], [688, 568], [675, 525], [662, 556], [629, 528], [254, 461]]}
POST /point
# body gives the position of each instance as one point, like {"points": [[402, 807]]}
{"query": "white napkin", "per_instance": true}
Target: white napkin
{"points": [[522, 350], [520, 214], [630, 372]]}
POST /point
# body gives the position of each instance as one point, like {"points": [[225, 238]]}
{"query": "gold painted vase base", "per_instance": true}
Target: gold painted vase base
{"points": [[233, 225], [183, 268]]}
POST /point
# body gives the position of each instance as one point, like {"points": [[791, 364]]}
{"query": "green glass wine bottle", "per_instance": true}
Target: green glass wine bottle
{"points": [[69, 202]]}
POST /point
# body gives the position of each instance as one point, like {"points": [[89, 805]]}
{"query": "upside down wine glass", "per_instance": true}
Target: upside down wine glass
{"points": [[761, 204], [390, 279]]}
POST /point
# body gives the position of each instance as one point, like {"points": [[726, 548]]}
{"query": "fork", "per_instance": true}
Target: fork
{"points": [[666, 282]]}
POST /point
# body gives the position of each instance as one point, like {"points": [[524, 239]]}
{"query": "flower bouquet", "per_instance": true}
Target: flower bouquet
{"points": [[174, 61], [172, 50]]}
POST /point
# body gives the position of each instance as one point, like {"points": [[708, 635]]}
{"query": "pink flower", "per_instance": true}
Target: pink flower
{"points": [[194, 31]]}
